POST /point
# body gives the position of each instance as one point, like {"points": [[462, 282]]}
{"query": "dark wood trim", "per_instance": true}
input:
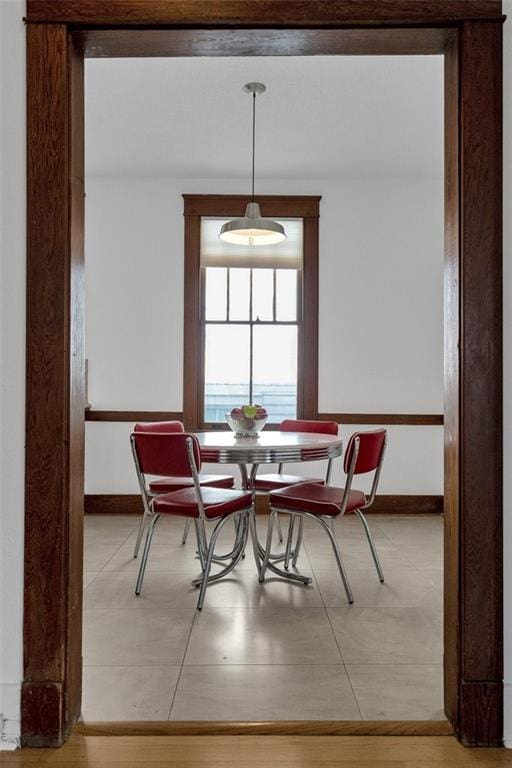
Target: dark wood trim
{"points": [[406, 504], [473, 351], [98, 43], [287, 206], [297, 206], [239, 13], [130, 504], [480, 386], [392, 504], [308, 335], [132, 416], [55, 388], [193, 341], [113, 504], [404, 419], [451, 383], [270, 728]]}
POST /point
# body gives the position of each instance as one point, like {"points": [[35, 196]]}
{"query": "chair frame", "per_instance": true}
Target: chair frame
{"points": [[244, 520], [327, 523], [148, 495], [288, 553]]}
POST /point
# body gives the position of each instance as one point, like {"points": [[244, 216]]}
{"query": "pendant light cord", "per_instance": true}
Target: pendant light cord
{"points": [[253, 140]]}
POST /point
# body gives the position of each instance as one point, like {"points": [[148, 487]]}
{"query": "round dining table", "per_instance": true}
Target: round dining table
{"points": [[268, 447]]}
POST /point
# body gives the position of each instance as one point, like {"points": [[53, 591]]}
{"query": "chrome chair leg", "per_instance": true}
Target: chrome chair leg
{"points": [[200, 535], [208, 564], [254, 538], [237, 556], [372, 544], [289, 540], [298, 543], [140, 532], [279, 529], [145, 554], [186, 530], [338, 557], [268, 546]]}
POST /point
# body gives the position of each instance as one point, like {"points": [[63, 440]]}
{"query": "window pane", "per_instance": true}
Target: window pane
{"points": [[262, 294], [275, 370], [286, 294], [216, 293], [239, 294], [226, 369]]}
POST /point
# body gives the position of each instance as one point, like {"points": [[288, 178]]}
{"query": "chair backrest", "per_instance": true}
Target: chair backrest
{"points": [[164, 453], [305, 425], [165, 427], [369, 456]]}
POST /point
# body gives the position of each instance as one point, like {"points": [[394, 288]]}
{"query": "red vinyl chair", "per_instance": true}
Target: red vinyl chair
{"points": [[273, 482], [178, 455], [365, 453], [170, 483]]}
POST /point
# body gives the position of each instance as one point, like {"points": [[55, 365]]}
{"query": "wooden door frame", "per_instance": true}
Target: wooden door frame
{"points": [[59, 34]]}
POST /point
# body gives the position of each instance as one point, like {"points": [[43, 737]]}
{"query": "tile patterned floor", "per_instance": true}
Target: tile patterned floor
{"points": [[274, 651]]}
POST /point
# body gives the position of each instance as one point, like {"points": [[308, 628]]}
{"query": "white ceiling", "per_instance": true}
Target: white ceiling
{"points": [[321, 117]]}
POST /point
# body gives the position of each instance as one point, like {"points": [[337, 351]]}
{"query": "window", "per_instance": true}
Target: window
{"points": [[248, 314]]}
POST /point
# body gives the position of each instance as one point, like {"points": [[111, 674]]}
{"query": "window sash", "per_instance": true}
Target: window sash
{"points": [[251, 323]]}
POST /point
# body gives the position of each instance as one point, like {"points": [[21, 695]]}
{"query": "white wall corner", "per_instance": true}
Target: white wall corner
{"points": [[10, 694], [507, 714]]}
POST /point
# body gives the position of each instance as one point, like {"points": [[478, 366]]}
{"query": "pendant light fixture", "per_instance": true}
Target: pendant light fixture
{"points": [[252, 229]]}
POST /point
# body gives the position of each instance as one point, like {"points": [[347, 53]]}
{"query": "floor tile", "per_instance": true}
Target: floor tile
{"points": [[261, 692], [262, 636], [136, 637], [435, 577], [163, 590], [88, 577], [128, 693], [423, 556], [160, 591], [405, 587], [244, 590], [398, 692], [97, 555], [167, 553], [114, 522], [388, 635], [268, 651], [355, 554], [110, 533]]}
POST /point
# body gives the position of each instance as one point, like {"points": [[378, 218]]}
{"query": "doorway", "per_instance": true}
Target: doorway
{"points": [[55, 371]]}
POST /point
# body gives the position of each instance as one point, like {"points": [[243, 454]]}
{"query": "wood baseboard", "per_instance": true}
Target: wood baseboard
{"points": [[270, 728], [131, 504]]}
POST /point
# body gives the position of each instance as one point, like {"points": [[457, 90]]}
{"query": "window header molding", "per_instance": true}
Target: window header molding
{"points": [[272, 206]]}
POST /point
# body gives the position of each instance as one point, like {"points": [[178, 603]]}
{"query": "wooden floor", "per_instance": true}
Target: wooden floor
{"points": [[259, 752]]}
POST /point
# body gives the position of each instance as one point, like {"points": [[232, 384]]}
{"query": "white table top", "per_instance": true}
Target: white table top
{"points": [[268, 447], [218, 439]]}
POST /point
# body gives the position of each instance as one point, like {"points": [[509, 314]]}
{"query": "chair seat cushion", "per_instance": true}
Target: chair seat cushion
{"points": [[317, 499], [218, 502], [168, 484], [272, 482]]}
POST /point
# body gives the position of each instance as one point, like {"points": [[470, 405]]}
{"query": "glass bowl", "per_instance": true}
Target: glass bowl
{"points": [[244, 426]]}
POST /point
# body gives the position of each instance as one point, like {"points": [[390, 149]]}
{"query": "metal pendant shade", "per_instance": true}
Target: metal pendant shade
{"points": [[252, 229]]}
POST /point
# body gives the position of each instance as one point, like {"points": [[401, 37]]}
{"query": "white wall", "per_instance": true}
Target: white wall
{"points": [[381, 273], [12, 359]]}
